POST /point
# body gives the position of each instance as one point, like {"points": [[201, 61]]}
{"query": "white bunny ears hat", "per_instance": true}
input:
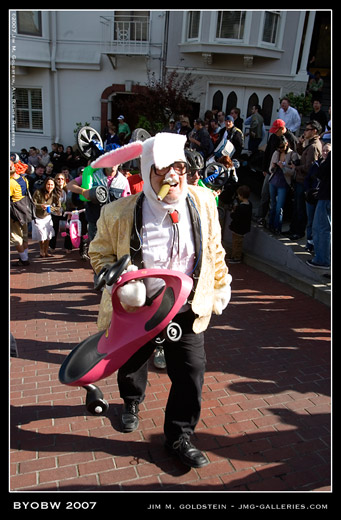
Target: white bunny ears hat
{"points": [[161, 150]]}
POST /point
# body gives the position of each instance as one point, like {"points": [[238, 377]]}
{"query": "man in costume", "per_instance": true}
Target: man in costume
{"points": [[177, 228]]}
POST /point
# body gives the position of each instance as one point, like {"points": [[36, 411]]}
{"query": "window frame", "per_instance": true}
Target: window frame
{"points": [[30, 110], [22, 31], [280, 30], [188, 23], [229, 39], [278, 19]]}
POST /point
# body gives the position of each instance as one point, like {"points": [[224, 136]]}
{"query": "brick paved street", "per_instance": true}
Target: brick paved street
{"points": [[265, 422]]}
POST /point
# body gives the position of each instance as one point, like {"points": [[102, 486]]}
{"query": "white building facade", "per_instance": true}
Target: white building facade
{"points": [[242, 58], [70, 67], [67, 67]]}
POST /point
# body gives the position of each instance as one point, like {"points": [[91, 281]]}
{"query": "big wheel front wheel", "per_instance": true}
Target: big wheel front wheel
{"points": [[95, 403]]}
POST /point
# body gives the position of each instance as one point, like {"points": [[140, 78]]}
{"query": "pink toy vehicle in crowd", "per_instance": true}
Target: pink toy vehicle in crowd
{"points": [[75, 227], [100, 355]]}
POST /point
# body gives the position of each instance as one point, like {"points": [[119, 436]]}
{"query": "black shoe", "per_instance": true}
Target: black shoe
{"points": [[234, 261], [318, 266], [84, 252], [129, 417], [20, 263], [187, 453], [294, 236]]}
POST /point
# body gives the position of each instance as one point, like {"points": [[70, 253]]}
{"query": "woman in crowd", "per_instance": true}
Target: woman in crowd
{"points": [[58, 216], [281, 171], [47, 201]]}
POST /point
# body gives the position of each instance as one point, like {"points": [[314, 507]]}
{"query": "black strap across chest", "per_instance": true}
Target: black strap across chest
{"points": [[136, 235]]}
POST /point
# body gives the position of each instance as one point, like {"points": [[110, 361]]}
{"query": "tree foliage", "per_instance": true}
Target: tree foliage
{"points": [[159, 101]]}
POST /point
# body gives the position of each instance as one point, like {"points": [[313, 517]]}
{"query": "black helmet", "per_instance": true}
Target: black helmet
{"points": [[216, 175], [194, 159]]}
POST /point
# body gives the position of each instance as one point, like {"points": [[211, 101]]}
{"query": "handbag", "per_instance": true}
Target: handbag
{"points": [[23, 210], [311, 195]]}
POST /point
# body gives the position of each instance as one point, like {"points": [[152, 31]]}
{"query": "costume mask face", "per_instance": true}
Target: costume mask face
{"points": [[172, 184], [159, 153]]}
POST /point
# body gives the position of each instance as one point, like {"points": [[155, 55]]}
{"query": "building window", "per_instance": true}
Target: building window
{"points": [[29, 110], [29, 22], [193, 25], [131, 26], [230, 25], [270, 27]]}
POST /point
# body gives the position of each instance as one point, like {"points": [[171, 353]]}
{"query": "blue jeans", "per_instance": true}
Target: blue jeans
{"points": [[321, 233], [277, 201]]}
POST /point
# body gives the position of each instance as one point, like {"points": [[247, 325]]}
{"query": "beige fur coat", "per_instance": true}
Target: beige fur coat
{"points": [[112, 241]]}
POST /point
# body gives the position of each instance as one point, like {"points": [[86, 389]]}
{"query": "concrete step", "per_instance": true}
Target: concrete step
{"points": [[283, 259], [321, 292]]}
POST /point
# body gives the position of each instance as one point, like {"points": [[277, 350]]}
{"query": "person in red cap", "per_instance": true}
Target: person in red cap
{"points": [[277, 130], [276, 125]]}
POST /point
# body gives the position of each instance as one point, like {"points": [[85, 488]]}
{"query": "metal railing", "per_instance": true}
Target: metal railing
{"points": [[125, 37]]}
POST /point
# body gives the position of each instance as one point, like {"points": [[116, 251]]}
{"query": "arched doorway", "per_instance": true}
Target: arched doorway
{"points": [[253, 100], [217, 101], [267, 108], [115, 102], [231, 102]]}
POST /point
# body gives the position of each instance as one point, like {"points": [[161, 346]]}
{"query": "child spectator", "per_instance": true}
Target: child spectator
{"points": [[241, 223]]}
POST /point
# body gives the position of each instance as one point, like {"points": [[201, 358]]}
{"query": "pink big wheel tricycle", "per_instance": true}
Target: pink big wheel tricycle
{"points": [[75, 227], [100, 355]]}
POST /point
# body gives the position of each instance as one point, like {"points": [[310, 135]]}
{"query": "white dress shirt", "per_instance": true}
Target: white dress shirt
{"points": [[291, 118], [164, 246]]}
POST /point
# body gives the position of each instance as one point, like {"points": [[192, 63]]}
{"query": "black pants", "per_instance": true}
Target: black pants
{"points": [[186, 361], [67, 240]]}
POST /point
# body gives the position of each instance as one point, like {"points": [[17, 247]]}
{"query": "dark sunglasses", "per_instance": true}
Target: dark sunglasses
{"points": [[179, 167]]}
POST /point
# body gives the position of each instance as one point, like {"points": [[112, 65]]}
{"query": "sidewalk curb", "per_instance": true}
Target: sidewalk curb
{"points": [[320, 292]]}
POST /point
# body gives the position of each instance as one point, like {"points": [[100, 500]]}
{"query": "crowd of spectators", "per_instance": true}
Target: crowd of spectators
{"points": [[293, 164]]}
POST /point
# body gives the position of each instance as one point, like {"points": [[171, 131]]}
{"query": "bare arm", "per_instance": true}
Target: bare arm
{"points": [[75, 188]]}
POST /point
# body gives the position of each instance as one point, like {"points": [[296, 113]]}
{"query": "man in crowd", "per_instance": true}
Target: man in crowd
{"points": [[289, 115], [310, 149], [124, 131], [230, 133], [200, 139], [256, 128], [317, 114]]}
